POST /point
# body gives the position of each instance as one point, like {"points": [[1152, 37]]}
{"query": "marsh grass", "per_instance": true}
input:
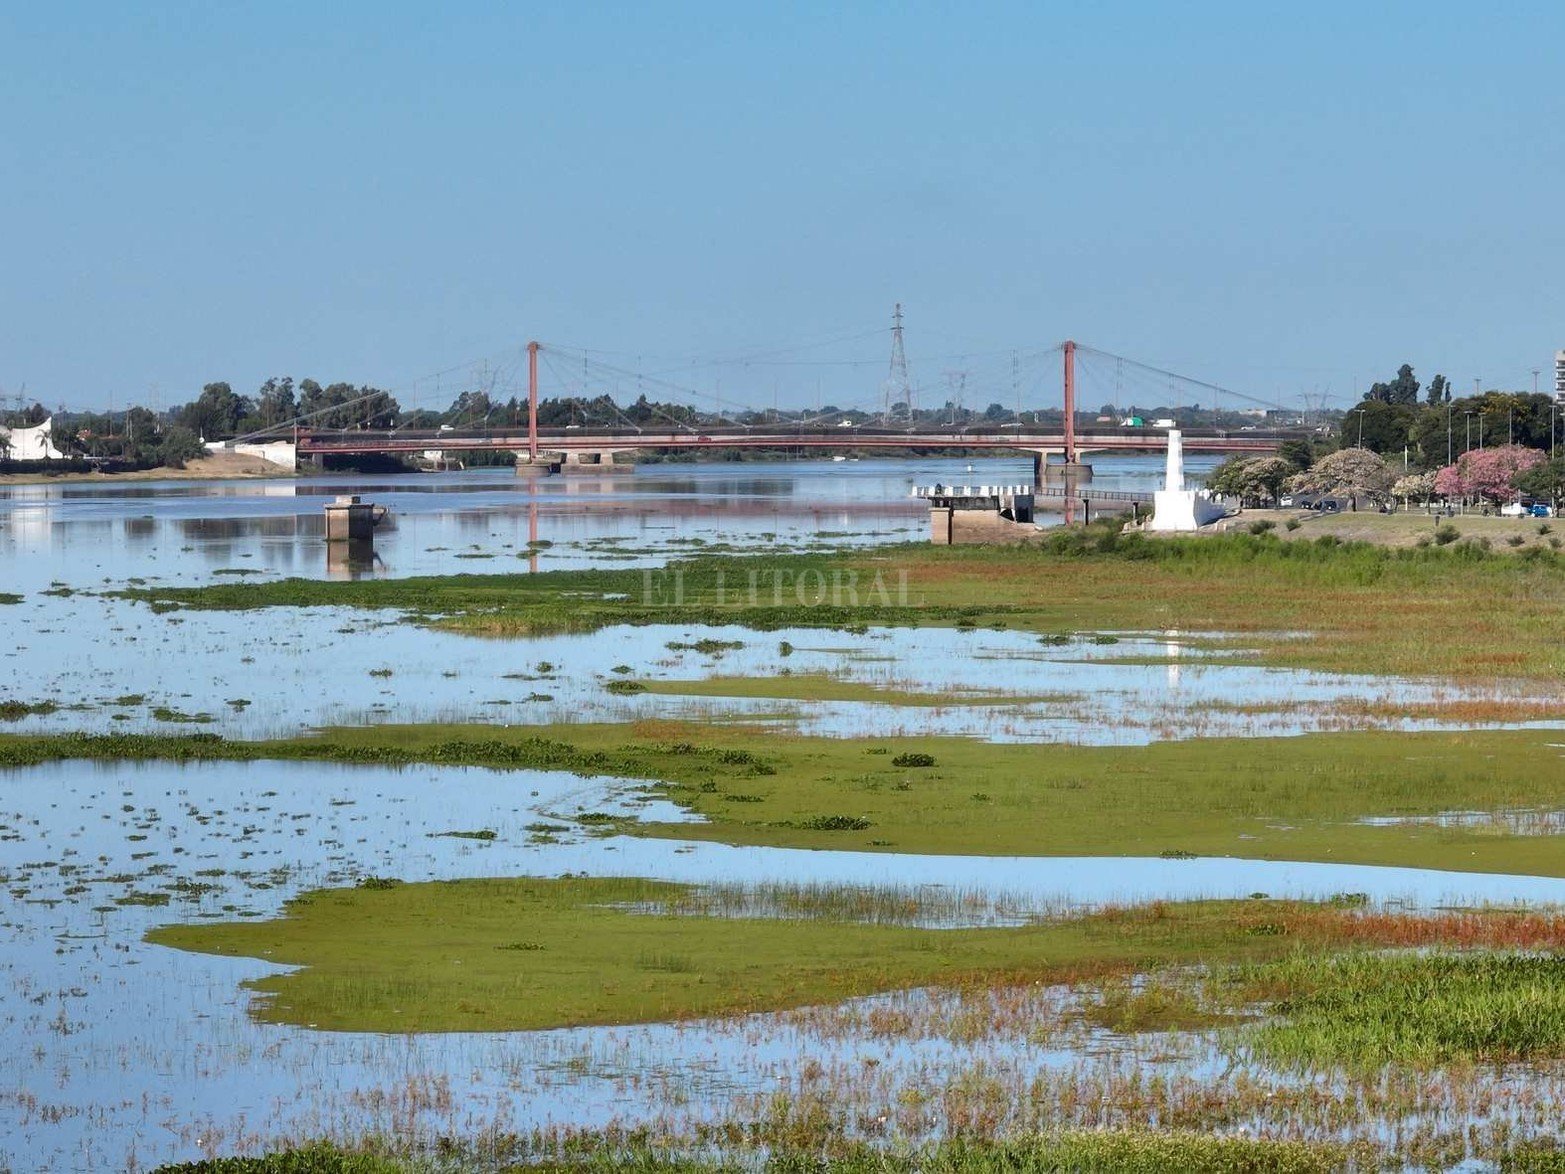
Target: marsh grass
{"points": [[928, 906], [789, 686], [1302, 798], [1079, 1151], [11, 711], [1452, 610], [1365, 1010]]}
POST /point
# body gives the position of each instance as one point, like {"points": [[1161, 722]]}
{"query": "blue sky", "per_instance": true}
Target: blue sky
{"points": [[1279, 199]]}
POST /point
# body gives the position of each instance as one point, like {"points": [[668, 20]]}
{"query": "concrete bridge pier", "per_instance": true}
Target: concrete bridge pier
{"points": [[592, 461], [1057, 470], [526, 465], [1051, 468]]}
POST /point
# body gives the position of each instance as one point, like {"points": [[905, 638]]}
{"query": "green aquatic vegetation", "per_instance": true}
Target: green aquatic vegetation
{"points": [[315, 1158], [12, 711], [624, 687], [384, 956], [790, 686], [707, 646], [9, 597], [139, 898], [1302, 798], [831, 823], [163, 713], [1121, 1150], [480, 834], [1092, 579], [1364, 1010]]}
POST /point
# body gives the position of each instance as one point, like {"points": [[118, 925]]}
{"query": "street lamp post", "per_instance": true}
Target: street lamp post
{"points": [[1467, 424], [1361, 427]]}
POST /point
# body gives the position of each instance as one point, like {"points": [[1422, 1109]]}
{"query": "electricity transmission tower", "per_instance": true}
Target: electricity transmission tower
{"points": [[898, 390]]}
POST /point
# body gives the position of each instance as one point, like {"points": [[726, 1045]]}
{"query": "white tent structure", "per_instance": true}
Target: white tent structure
{"points": [[30, 444]]}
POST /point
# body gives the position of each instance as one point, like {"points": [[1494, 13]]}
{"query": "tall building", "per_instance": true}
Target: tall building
{"points": [[1559, 376]]}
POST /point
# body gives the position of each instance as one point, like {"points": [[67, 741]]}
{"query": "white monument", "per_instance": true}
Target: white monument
{"points": [[1174, 507]]}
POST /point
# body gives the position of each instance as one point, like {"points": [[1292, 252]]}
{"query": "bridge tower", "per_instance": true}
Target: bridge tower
{"points": [[532, 401], [1070, 469], [526, 463]]}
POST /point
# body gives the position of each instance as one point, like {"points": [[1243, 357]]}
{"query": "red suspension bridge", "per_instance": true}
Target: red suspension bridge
{"points": [[1058, 443]]}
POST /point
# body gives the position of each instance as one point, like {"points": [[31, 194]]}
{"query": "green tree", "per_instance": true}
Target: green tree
{"points": [[1383, 427], [178, 445], [275, 402], [1402, 390], [216, 413], [343, 405], [471, 409], [1545, 481], [1439, 391], [1298, 453]]}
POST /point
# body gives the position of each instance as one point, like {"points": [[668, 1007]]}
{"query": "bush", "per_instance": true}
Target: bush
{"points": [[834, 823], [1515, 540], [1292, 524], [913, 760], [179, 445], [1445, 534], [1264, 526]]}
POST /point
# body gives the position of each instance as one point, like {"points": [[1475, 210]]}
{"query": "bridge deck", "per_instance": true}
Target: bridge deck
{"points": [[316, 442]]}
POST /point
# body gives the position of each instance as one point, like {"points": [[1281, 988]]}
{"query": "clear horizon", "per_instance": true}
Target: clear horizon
{"points": [[1288, 204]]}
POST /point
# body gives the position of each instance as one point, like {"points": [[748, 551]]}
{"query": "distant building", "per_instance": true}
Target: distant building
{"points": [[1559, 376]]}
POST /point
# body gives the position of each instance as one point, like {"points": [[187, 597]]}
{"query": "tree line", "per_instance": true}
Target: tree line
{"points": [[1417, 443]]}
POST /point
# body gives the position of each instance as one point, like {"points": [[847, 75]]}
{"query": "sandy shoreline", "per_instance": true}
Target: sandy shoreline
{"points": [[225, 466]]}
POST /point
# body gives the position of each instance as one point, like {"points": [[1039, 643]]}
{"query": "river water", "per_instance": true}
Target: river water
{"points": [[122, 1054]]}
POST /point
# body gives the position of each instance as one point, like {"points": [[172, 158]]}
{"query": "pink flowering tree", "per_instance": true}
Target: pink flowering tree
{"points": [[1448, 482], [1490, 472]]}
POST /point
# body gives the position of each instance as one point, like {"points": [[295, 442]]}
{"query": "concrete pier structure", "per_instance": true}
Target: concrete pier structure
{"points": [[1058, 470], [596, 460], [350, 520], [981, 513]]}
